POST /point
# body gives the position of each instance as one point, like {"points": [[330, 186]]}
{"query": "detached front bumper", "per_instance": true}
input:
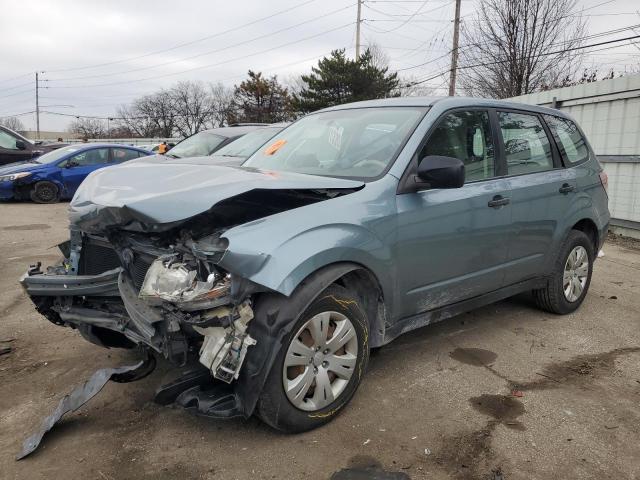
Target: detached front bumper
{"points": [[37, 283]]}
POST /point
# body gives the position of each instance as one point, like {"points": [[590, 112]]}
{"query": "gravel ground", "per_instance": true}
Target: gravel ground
{"points": [[437, 403]]}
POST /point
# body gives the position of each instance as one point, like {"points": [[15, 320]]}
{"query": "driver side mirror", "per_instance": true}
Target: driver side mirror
{"points": [[20, 145], [435, 171], [71, 164]]}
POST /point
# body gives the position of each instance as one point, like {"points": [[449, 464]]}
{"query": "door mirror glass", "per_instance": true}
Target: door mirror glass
{"points": [[20, 145], [441, 172]]}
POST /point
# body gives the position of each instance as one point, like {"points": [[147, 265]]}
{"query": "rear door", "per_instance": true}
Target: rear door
{"points": [[452, 243], [120, 154], [76, 168], [541, 191]]}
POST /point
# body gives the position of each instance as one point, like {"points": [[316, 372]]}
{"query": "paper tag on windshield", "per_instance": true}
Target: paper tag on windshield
{"points": [[274, 147], [335, 136]]}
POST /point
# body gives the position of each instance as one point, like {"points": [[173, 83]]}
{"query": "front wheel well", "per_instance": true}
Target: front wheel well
{"points": [[588, 227], [364, 284]]}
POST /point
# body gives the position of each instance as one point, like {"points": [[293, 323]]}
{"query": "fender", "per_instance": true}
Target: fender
{"points": [[274, 316]]}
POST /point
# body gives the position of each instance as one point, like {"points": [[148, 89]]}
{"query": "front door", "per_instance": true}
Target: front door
{"points": [[76, 168], [452, 243], [9, 151]]}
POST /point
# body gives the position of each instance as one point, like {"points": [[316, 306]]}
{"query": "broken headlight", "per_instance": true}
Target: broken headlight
{"points": [[176, 282]]}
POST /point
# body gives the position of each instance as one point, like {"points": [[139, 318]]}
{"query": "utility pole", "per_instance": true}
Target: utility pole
{"points": [[37, 109], [454, 51], [358, 22]]}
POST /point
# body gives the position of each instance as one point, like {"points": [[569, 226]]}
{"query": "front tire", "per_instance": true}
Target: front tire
{"points": [[319, 366], [45, 192], [571, 276]]}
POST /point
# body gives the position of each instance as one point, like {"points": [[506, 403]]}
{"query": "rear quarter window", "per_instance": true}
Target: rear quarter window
{"points": [[572, 145]]}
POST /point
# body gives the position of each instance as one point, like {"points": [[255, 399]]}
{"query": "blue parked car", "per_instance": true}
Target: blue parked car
{"points": [[57, 174]]}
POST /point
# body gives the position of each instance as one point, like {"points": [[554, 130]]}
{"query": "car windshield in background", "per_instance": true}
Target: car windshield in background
{"points": [[200, 144], [358, 143], [245, 146], [56, 155]]}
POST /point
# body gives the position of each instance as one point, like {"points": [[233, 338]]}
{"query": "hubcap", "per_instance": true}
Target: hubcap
{"points": [[320, 360], [576, 271]]}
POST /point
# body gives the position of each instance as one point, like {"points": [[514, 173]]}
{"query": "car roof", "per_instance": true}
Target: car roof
{"points": [[84, 146], [446, 102], [235, 131]]}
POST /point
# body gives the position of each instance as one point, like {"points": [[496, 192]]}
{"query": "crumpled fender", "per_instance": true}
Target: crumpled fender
{"points": [[274, 315]]}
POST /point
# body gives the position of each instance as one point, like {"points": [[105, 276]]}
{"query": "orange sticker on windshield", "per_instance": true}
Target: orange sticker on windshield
{"points": [[274, 147]]}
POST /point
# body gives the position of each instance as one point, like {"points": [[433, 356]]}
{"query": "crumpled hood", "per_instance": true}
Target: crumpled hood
{"points": [[21, 167], [154, 196]]}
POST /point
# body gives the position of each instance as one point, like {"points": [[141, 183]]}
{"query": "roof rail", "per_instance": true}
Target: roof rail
{"points": [[249, 124]]}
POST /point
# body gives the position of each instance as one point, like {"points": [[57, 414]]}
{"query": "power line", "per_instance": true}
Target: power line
{"points": [[175, 47], [211, 64], [557, 52], [210, 52]]}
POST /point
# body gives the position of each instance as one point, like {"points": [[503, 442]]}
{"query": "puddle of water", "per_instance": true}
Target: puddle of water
{"points": [[477, 357]]}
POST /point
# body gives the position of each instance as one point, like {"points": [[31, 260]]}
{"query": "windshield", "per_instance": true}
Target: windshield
{"points": [[246, 145], [200, 144], [358, 143], [56, 155]]}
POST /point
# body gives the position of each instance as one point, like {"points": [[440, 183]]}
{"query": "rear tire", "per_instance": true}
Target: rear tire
{"points": [[571, 276], [45, 192], [293, 399]]}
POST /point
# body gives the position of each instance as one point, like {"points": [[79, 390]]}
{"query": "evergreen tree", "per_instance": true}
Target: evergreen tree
{"points": [[338, 79], [260, 99]]}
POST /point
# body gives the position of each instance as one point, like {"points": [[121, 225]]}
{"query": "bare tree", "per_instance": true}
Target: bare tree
{"points": [[88, 127], [221, 104], [379, 58], [515, 47], [13, 123], [192, 107], [149, 116]]}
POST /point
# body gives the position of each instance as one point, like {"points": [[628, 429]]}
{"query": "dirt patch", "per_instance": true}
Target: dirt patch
{"points": [[367, 468], [30, 226], [577, 370], [626, 242], [477, 357]]}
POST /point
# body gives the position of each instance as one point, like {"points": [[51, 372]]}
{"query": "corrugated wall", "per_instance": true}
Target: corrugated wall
{"points": [[609, 113]]}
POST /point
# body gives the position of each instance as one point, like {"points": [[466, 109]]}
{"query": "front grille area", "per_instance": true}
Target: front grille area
{"points": [[96, 258], [139, 267]]}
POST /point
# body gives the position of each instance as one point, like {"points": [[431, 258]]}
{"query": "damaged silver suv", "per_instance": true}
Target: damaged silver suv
{"points": [[267, 284]]}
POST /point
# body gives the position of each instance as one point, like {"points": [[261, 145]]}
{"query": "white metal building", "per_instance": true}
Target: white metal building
{"points": [[609, 113]]}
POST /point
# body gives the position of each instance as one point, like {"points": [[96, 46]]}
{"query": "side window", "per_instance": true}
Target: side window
{"points": [[572, 144], [526, 145], [97, 156], [123, 154], [7, 141], [466, 136]]}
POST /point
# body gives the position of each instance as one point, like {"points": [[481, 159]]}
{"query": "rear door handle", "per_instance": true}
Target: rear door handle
{"points": [[566, 188], [498, 201]]}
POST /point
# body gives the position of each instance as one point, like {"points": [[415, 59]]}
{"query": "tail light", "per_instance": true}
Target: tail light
{"points": [[604, 179]]}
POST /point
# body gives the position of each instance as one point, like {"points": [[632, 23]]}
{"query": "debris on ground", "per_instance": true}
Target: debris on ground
{"points": [[517, 393], [367, 441], [82, 394], [5, 350]]}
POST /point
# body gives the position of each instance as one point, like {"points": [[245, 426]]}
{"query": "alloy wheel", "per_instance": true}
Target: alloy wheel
{"points": [[320, 361], [576, 271]]}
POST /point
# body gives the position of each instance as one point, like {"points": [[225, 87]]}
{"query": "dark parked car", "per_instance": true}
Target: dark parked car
{"points": [[352, 226], [56, 175], [16, 148]]}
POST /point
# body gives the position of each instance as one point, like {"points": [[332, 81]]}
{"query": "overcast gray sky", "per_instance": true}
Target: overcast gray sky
{"points": [[97, 55]]}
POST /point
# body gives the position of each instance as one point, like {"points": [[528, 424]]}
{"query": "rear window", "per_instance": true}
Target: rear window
{"points": [[572, 144]]}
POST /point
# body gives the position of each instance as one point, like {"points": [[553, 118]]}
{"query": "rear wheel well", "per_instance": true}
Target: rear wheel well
{"points": [[588, 227]]}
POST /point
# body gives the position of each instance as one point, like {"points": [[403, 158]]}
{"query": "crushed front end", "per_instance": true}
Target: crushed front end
{"points": [[160, 291]]}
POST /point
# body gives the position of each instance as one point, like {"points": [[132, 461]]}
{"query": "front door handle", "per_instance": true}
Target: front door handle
{"points": [[498, 201], [566, 188]]}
